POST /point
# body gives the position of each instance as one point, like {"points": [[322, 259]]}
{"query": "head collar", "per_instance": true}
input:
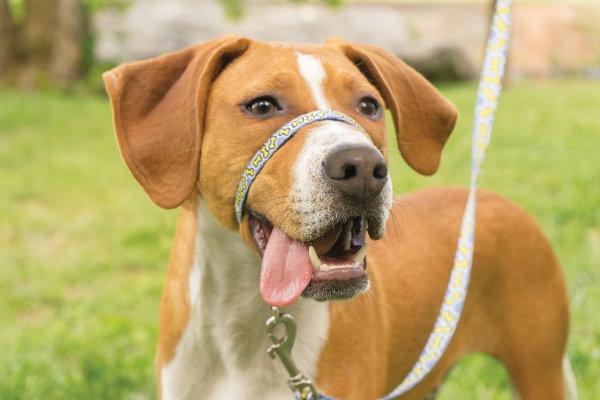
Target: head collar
{"points": [[274, 143]]}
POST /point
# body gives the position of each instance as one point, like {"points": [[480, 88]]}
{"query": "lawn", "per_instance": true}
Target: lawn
{"points": [[83, 251]]}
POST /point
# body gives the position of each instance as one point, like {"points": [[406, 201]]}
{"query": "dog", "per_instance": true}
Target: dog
{"points": [[320, 233]]}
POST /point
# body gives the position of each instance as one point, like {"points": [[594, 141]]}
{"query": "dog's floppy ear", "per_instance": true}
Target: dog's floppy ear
{"points": [[422, 116], [158, 110]]}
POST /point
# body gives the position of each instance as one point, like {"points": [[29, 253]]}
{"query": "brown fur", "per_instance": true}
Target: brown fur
{"points": [[515, 282], [175, 304]]}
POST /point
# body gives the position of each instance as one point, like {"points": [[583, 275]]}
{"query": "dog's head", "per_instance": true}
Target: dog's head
{"points": [[194, 118]]}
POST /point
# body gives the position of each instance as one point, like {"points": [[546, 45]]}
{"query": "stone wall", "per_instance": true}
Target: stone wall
{"points": [[443, 40]]}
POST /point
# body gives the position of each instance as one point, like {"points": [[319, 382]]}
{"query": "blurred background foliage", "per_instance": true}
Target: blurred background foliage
{"points": [[49, 43], [46, 43]]}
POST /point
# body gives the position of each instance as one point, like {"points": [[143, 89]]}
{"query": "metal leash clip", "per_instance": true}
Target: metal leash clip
{"points": [[302, 387]]}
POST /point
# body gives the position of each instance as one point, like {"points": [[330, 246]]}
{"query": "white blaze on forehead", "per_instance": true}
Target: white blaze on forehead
{"points": [[313, 73], [311, 194]]}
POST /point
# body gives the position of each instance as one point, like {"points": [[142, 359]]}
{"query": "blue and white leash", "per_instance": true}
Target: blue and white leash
{"points": [[488, 93]]}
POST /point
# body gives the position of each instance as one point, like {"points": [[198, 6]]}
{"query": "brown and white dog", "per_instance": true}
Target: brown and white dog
{"points": [[188, 122]]}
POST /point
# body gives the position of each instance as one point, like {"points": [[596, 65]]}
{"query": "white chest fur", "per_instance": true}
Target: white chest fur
{"points": [[222, 353]]}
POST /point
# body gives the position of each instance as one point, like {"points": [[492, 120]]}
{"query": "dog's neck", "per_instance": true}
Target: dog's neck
{"points": [[227, 278], [226, 333]]}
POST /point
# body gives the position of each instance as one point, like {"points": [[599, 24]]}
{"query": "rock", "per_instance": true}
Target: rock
{"points": [[444, 41], [417, 33]]}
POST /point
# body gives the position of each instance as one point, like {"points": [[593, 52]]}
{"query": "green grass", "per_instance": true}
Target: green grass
{"points": [[83, 251]]}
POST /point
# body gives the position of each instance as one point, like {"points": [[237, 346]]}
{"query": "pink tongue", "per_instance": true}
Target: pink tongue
{"points": [[286, 269]]}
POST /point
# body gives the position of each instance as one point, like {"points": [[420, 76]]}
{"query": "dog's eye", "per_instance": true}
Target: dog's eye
{"points": [[263, 106], [368, 106]]}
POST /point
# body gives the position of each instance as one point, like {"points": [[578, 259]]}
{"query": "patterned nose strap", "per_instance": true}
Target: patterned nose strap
{"points": [[274, 143]]}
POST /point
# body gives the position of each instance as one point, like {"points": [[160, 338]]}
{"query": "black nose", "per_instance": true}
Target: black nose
{"points": [[357, 171]]}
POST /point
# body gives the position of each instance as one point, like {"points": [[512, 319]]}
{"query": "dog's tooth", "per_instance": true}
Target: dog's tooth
{"points": [[348, 235], [314, 258], [360, 256]]}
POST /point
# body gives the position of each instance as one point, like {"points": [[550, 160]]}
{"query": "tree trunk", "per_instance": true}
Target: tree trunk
{"points": [[7, 41], [66, 63], [36, 42]]}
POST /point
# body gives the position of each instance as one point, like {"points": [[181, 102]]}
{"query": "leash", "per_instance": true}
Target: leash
{"points": [[488, 93]]}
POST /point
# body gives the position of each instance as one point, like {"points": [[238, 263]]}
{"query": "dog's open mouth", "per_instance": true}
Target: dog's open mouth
{"points": [[329, 267]]}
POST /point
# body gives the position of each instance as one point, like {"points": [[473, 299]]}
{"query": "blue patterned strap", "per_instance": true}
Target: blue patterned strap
{"points": [[274, 143]]}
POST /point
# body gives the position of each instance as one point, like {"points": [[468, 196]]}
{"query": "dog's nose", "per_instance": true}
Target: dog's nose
{"points": [[357, 171]]}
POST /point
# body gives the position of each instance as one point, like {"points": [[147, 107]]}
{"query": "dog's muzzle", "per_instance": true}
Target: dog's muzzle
{"points": [[348, 178]]}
